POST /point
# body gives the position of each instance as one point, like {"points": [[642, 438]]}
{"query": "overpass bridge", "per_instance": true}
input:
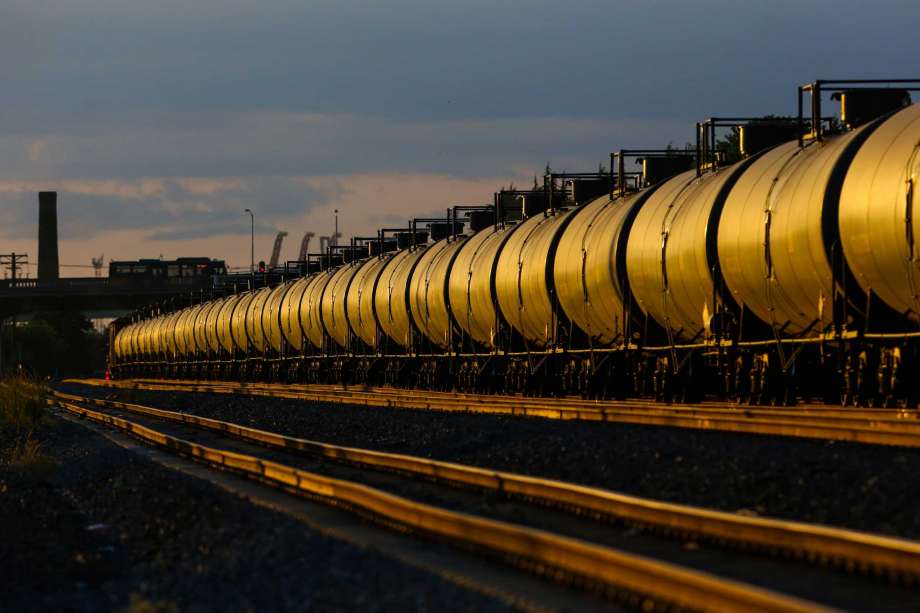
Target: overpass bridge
{"points": [[21, 296]]}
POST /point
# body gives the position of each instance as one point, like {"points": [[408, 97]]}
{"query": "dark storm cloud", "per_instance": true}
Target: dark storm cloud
{"points": [[264, 94], [271, 143], [415, 59]]}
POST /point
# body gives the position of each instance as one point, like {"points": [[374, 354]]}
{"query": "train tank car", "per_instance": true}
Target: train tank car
{"points": [[523, 278], [428, 291], [671, 254], [311, 315], [471, 286], [333, 309], [391, 298], [777, 229], [878, 223], [360, 300], [589, 268]]}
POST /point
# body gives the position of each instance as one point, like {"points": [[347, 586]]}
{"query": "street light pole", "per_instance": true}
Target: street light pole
{"points": [[252, 242]]}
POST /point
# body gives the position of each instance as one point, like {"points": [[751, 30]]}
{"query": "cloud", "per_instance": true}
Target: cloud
{"points": [[415, 59], [159, 122], [166, 208], [288, 144], [35, 149], [365, 203]]}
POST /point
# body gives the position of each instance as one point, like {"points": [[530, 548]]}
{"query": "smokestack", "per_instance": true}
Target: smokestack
{"points": [[47, 237]]}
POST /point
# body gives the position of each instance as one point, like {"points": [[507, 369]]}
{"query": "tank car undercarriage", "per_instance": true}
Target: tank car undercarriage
{"points": [[868, 372]]}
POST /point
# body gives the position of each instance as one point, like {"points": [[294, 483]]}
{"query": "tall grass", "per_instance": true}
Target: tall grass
{"points": [[22, 410], [22, 402]]}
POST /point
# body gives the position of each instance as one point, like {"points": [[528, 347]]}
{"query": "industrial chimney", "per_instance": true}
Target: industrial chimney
{"points": [[47, 237]]}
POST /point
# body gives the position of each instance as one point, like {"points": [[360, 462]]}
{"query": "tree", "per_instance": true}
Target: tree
{"points": [[55, 344], [730, 146]]}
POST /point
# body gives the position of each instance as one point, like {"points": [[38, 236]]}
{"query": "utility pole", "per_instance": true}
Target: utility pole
{"points": [[336, 236], [14, 262], [98, 263], [252, 241]]}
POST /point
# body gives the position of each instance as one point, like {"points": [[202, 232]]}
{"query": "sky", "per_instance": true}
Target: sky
{"points": [[160, 122]]}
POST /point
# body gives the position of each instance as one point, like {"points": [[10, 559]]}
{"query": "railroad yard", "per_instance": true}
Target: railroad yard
{"points": [[709, 519], [583, 306]]}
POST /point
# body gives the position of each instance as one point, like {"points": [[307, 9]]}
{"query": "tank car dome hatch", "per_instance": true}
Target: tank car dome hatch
{"points": [[290, 313], [391, 295], [428, 291], [522, 277], [777, 226], [860, 106], [657, 168], [335, 295], [480, 220], [441, 230], [360, 299], [311, 318], [584, 190], [878, 222], [756, 136], [471, 284], [671, 253], [404, 240], [385, 246]]}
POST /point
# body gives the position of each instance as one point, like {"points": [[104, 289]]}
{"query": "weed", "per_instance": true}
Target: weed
{"points": [[22, 402], [28, 459], [139, 604]]}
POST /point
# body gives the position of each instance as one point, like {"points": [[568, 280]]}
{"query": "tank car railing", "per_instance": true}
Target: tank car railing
{"points": [[816, 89], [640, 179]]}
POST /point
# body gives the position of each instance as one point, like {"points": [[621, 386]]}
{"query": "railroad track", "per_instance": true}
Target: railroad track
{"points": [[560, 556], [899, 427]]}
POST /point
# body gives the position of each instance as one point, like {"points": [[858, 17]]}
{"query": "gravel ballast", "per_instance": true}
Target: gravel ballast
{"points": [[98, 527], [864, 487]]}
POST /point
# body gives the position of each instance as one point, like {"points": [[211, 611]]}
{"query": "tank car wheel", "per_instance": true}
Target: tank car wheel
{"points": [[663, 380]]}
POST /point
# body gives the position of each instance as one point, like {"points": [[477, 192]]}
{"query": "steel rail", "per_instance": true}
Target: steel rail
{"points": [[902, 433], [551, 553], [899, 558], [899, 414]]}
